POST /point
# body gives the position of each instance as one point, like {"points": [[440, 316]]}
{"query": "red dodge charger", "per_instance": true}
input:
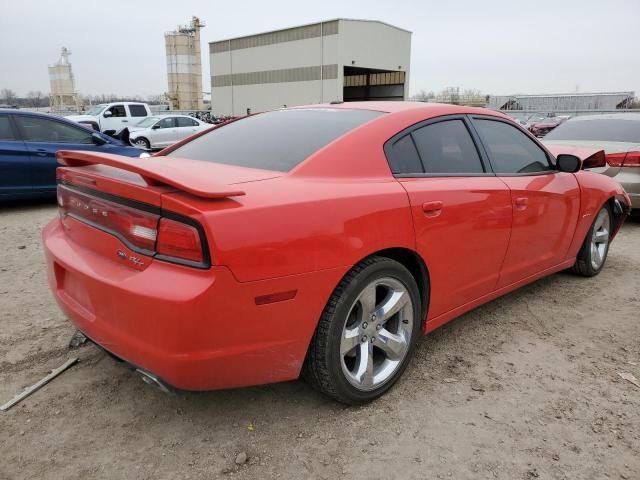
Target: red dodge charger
{"points": [[319, 241]]}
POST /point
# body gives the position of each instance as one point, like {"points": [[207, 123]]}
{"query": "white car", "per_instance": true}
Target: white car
{"points": [[112, 118], [163, 130]]}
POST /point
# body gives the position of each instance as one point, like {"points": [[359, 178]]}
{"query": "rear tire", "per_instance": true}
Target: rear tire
{"points": [[367, 333], [593, 253]]}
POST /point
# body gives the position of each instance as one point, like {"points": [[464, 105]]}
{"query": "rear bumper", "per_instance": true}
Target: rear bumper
{"points": [[194, 329]]}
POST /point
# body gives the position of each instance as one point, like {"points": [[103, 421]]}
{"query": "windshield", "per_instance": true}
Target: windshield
{"points": [[147, 122], [95, 110], [604, 129], [277, 140]]}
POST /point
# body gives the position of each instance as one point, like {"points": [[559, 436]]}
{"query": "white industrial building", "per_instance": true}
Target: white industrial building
{"points": [[335, 60]]}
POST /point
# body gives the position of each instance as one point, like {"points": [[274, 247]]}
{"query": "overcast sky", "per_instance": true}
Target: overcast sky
{"points": [[499, 47]]}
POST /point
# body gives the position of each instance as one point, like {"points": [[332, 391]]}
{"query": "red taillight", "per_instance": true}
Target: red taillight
{"points": [[144, 232], [628, 159], [136, 228], [596, 160], [178, 240], [632, 159]]}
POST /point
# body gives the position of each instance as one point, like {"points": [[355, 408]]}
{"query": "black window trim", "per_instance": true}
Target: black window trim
{"points": [[53, 119], [14, 129], [484, 161], [550, 158]]}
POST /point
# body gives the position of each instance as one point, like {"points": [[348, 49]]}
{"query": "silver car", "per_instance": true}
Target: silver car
{"points": [[618, 134]]}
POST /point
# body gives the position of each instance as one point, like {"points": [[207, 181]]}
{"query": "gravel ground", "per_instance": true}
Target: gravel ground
{"points": [[524, 387]]}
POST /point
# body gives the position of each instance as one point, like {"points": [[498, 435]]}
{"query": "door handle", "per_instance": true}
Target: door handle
{"points": [[521, 203], [125, 120], [432, 209], [41, 152]]}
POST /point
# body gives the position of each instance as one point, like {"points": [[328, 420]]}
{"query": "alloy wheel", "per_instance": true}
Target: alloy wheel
{"points": [[600, 239], [377, 333]]}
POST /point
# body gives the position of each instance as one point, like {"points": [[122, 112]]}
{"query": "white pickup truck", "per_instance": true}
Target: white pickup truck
{"points": [[112, 118]]}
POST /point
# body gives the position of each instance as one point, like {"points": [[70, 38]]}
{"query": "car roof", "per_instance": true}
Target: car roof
{"points": [[433, 109], [30, 112], [608, 116]]}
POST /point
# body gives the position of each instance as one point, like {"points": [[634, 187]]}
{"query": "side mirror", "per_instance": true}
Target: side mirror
{"points": [[107, 114], [155, 127], [97, 139], [568, 163]]}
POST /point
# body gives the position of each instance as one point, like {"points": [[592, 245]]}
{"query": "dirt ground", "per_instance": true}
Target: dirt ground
{"points": [[524, 387]]}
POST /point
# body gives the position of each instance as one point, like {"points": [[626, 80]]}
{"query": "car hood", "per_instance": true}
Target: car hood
{"points": [[79, 118], [608, 147]]}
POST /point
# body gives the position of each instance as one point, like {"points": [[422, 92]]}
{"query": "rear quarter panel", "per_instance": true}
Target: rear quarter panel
{"points": [[289, 226]]}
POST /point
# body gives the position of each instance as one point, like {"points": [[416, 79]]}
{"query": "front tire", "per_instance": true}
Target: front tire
{"points": [[367, 332], [594, 250], [142, 143]]}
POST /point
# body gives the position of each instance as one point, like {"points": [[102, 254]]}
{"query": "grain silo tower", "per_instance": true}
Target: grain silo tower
{"points": [[63, 95], [184, 66]]}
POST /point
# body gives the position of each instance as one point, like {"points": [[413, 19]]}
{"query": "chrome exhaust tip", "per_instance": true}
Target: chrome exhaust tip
{"points": [[151, 379]]}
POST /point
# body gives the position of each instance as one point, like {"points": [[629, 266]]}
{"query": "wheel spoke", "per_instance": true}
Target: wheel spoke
{"points": [[350, 340], [595, 254], [392, 344], [601, 236], [364, 374], [392, 305], [368, 301]]}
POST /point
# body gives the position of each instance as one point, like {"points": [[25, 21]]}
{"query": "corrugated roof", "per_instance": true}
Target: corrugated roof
{"points": [[310, 24]]}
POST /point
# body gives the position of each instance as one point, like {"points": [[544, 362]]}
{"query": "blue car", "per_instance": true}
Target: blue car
{"points": [[28, 145]]}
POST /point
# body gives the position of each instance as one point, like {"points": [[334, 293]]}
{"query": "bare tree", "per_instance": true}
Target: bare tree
{"points": [[423, 96], [35, 98], [8, 96]]}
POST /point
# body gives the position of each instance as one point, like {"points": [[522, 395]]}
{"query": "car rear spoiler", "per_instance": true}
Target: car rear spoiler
{"points": [[155, 171]]}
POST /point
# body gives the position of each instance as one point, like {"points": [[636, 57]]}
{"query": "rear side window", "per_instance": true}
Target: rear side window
{"points": [[277, 140], [138, 110], [186, 122], [447, 147], [510, 150], [6, 133], [51, 131], [403, 157]]}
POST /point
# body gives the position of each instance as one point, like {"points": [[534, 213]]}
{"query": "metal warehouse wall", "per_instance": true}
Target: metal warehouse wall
{"points": [[300, 65]]}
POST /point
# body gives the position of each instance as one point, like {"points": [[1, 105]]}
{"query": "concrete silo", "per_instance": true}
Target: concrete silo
{"points": [[184, 66], [63, 95]]}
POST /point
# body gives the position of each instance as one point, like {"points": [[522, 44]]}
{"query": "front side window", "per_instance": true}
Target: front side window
{"points": [[447, 147], [6, 132], [511, 151], [117, 111], [138, 110], [277, 140], [169, 122], [186, 122], [45, 130]]}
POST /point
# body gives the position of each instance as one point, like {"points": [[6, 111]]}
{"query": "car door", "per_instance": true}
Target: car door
{"points": [[545, 201], [164, 132], [114, 119], [186, 126], [461, 211], [43, 137], [15, 166]]}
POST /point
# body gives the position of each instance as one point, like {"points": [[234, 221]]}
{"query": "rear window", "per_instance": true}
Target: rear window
{"points": [[277, 140], [606, 129]]}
